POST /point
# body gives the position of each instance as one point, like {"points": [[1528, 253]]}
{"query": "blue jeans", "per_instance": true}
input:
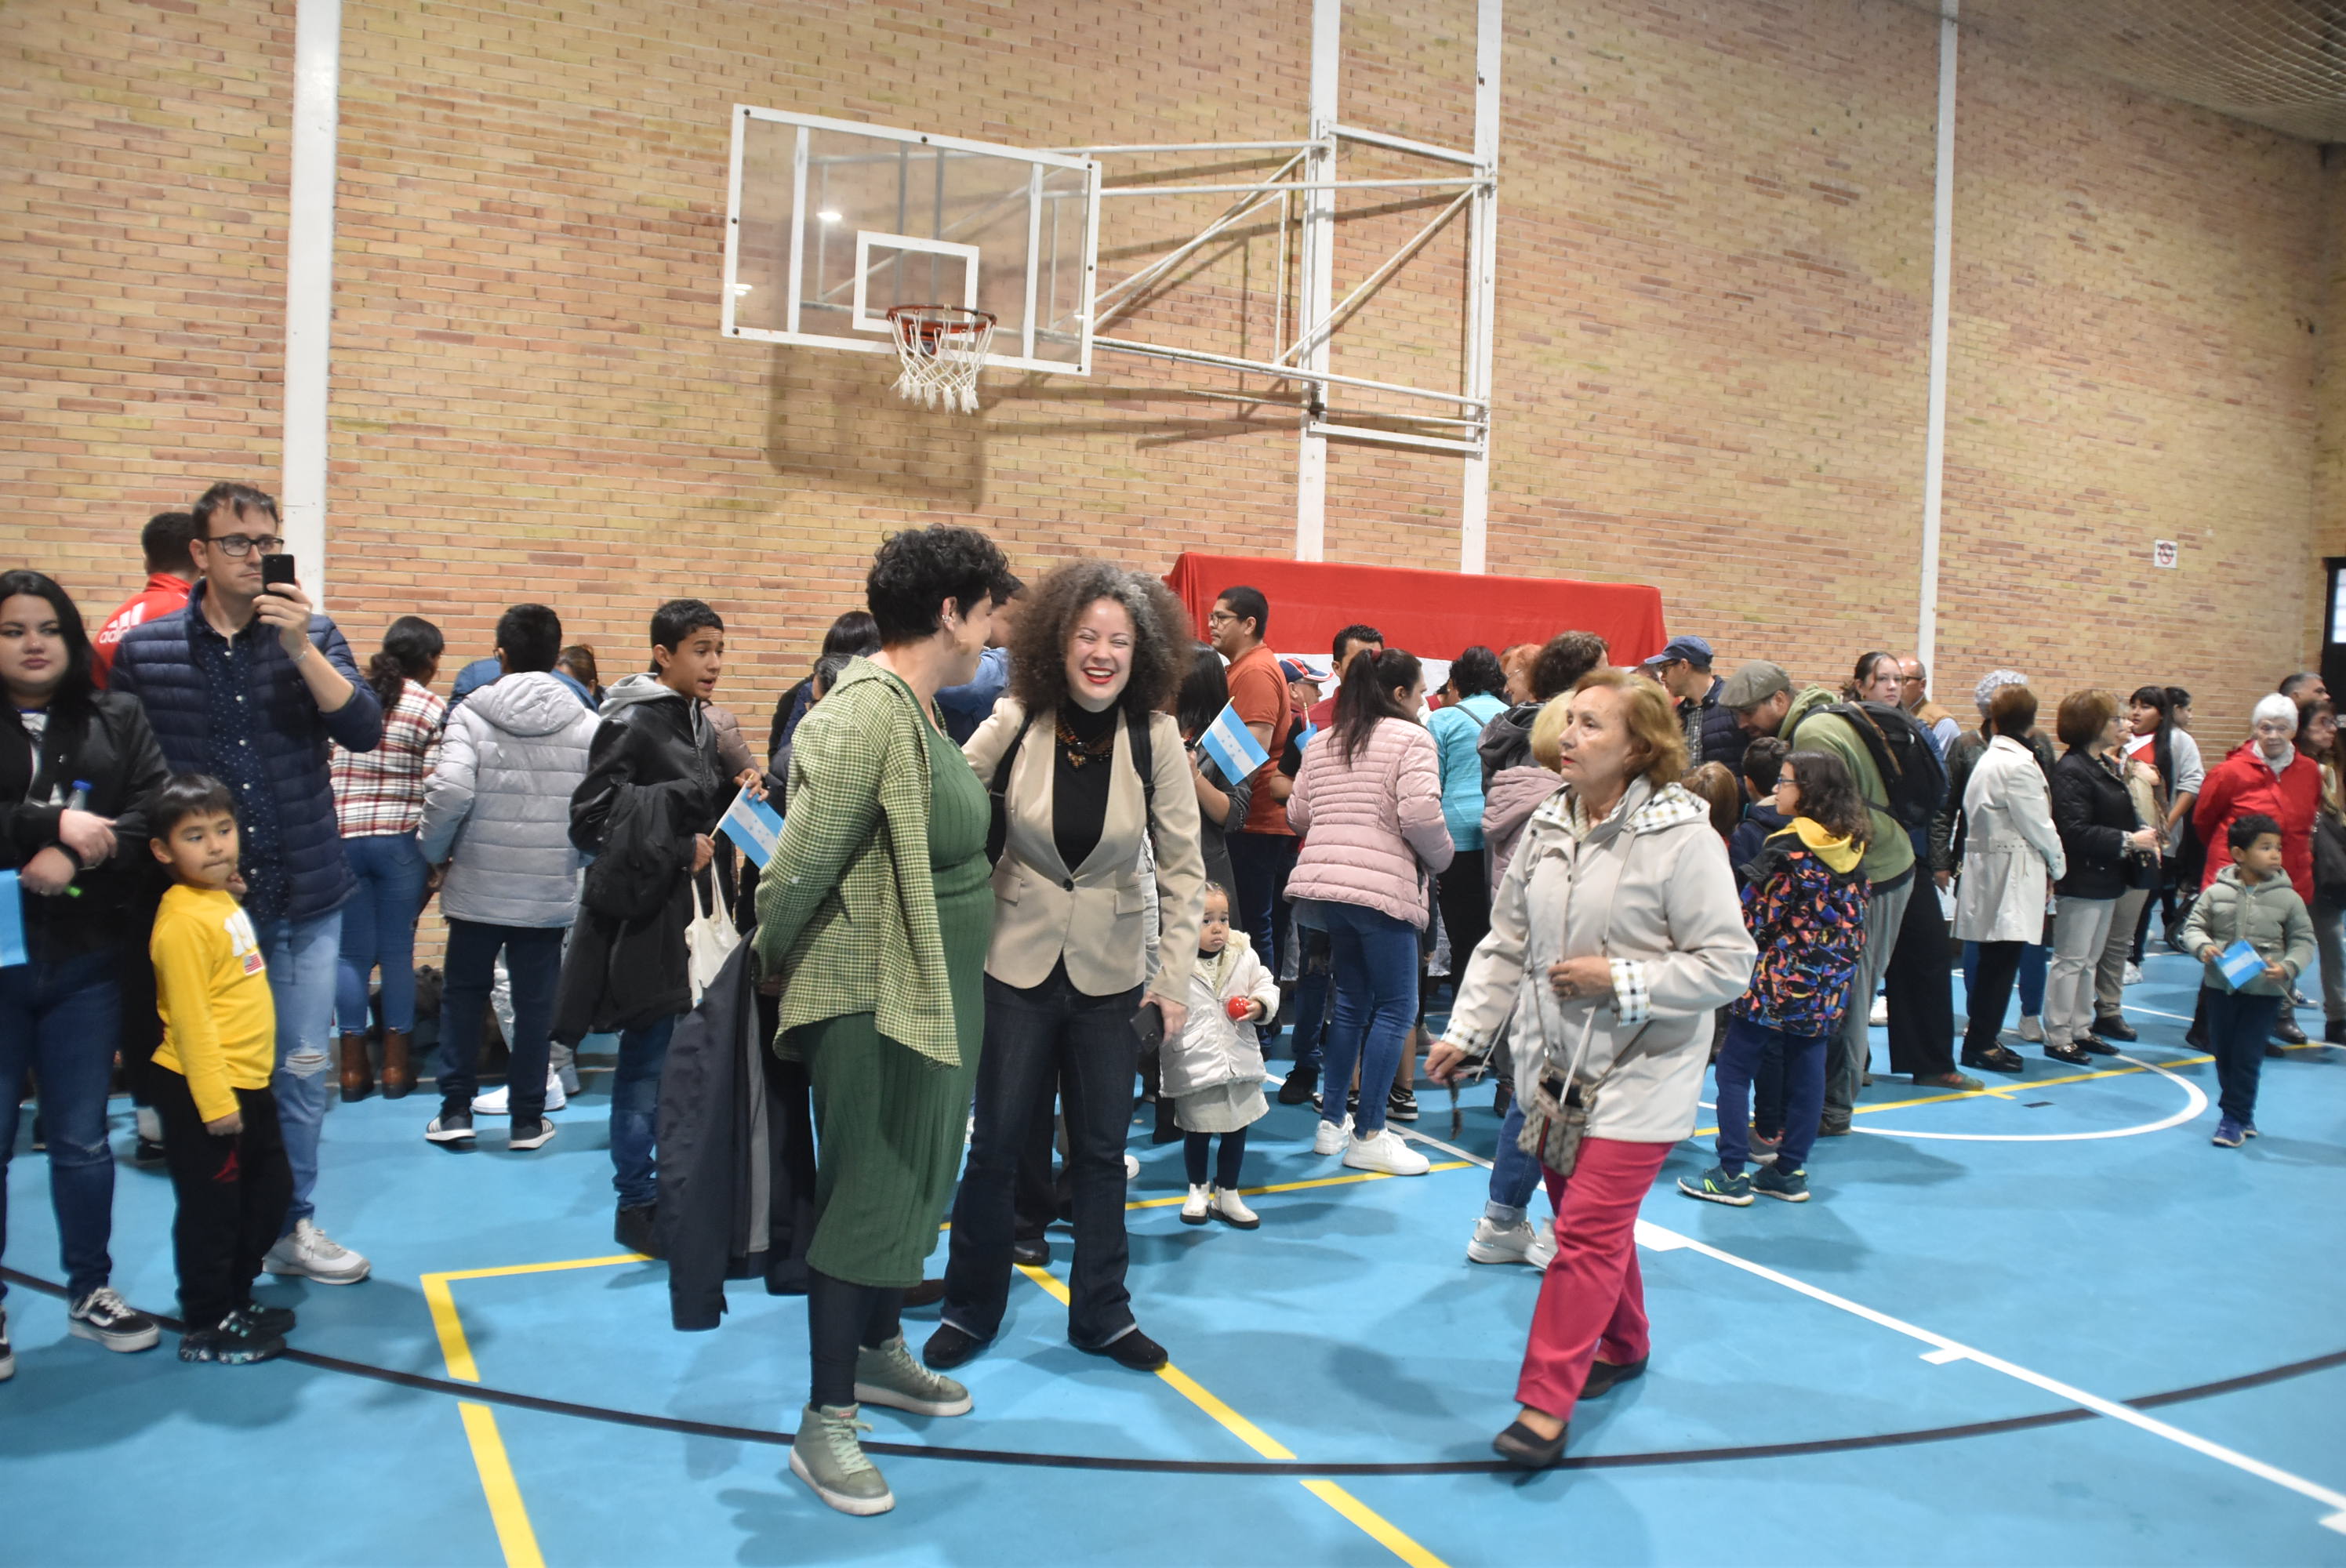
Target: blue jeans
{"points": [[1260, 862], [378, 929], [1375, 962], [1804, 1092], [1515, 1174], [2034, 959], [635, 1112], [61, 1019], [302, 956]]}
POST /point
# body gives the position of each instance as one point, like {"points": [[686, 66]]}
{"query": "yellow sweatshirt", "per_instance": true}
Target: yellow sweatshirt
{"points": [[219, 1023]]}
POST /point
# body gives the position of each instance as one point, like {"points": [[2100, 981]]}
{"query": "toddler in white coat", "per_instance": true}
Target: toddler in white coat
{"points": [[1214, 1071]]}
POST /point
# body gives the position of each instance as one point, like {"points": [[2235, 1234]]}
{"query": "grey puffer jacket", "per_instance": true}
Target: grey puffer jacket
{"points": [[497, 804], [2269, 916]]}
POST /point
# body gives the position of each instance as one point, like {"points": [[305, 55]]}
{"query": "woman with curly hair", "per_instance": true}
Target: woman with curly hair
{"points": [[875, 911], [1082, 760]]}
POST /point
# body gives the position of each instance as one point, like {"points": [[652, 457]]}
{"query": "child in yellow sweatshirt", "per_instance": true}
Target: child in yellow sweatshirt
{"points": [[220, 1136]]}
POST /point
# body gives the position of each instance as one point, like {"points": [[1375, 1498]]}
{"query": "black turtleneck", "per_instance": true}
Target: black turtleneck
{"points": [[1079, 793]]}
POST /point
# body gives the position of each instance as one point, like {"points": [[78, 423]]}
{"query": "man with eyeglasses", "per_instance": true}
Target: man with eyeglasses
{"points": [[247, 684]]}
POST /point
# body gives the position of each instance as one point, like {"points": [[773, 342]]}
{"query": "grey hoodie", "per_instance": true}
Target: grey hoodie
{"points": [[497, 804]]}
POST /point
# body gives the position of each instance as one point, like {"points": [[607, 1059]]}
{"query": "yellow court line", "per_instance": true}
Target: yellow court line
{"points": [[1378, 1528], [1303, 1186], [2005, 1091], [512, 1520]]}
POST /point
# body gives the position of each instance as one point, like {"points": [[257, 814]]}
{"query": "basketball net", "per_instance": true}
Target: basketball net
{"points": [[940, 349]]}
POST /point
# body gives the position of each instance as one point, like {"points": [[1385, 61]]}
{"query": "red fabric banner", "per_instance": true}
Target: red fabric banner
{"points": [[1434, 614]]}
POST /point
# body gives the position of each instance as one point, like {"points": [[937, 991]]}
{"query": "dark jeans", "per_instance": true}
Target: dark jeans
{"points": [[1739, 1054], [233, 1192], [1376, 959], [1989, 970], [534, 962], [1921, 989], [1314, 979], [1464, 894], [1032, 1036], [59, 1020], [378, 929], [1260, 862], [634, 1109], [840, 1319], [2238, 1025]]}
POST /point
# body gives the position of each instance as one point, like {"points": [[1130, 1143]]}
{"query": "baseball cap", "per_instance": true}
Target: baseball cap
{"points": [[1687, 650], [1291, 669], [1754, 684]]}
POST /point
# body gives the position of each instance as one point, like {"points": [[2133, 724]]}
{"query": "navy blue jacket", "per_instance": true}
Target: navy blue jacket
{"points": [[156, 663]]}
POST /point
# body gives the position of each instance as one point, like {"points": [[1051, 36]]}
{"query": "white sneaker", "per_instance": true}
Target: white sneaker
{"points": [[1193, 1206], [1384, 1151], [1496, 1243], [1132, 1168], [1330, 1139], [309, 1253], [2032, 1029], [568, 1077], [2133, 974], [1231, 1209], [1880, 1016], [1543, 1252], [498, 1102]]}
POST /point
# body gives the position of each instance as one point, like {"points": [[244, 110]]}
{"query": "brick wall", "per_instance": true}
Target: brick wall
{"points": [[1715, 268]]}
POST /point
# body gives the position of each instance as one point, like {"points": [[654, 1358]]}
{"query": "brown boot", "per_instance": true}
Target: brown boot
{"points": [[358, 1075], [398, 1072]]}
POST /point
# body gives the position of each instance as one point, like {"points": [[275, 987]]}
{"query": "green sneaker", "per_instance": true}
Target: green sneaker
{"points": [[1715, 1185], [829, 1456], [889, 1376], [1774, 1181]]}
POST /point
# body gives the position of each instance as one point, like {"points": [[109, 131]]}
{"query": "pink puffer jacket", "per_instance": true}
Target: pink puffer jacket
{"points": [[1374, 827]]}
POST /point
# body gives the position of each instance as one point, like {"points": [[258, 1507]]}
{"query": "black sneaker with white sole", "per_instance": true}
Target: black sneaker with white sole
{"points": [[533, 1135], [1401, 1105], [279, 1321], [450, 1126], [113, 1322], [237, 1341]]}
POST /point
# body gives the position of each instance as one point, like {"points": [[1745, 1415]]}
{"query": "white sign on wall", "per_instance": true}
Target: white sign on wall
{"points": [[2165, 553]]}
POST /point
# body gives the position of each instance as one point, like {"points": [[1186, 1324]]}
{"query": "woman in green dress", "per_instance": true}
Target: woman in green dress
{"points": [[876, 910]]}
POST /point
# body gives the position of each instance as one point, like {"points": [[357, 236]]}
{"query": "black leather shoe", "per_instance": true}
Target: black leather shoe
{"points": [[1031, 1251], [2074, 1054], [2000, 1059], [1298, 1086], [2116, 1028], [1604, 1376], [2333, 1033], [2094, 1046], [1134, 1350], [636, 1229], [2287, 1032], [2274, 1051], [1526, 1449], [948, 1347]]}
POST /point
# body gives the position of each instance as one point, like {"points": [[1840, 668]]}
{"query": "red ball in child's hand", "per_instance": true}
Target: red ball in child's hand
{"points": [[1240, 1008]]}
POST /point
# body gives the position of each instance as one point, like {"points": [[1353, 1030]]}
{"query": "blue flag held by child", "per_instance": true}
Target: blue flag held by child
{"points": [[1232, 746]]}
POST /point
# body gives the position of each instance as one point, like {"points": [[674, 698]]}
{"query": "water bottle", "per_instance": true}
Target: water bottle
{"points": [[79, 799]]}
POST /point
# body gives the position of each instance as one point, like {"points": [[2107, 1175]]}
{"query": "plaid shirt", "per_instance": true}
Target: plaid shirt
{"points": [[381, 792]]}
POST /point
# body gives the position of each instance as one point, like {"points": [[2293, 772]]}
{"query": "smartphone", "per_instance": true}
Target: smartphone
{"points": [[275, 569], [1149, 1025]]}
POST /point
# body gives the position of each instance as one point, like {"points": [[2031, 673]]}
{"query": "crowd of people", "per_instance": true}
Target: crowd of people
{"points": [[1020, 887]]}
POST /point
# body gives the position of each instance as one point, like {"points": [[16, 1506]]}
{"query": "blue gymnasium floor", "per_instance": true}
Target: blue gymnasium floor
{"points": [[1924, 1365]]}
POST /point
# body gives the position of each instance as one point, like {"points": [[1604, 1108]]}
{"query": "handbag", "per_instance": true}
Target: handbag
{"points": [[708, 940], [1556, 1117]]}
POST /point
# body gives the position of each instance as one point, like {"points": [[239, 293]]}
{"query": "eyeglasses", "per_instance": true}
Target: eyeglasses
{"points": [[1216, 617], [236, 546]]}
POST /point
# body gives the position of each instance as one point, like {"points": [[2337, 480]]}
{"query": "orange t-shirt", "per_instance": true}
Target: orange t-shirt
{"points": [[1260, 694]]}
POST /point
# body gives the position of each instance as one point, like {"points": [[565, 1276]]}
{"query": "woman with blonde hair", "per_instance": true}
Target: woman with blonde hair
{"points": [[1616, 934]]}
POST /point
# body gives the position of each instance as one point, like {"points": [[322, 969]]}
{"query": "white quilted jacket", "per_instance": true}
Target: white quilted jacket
{"points": [[498, 802]]}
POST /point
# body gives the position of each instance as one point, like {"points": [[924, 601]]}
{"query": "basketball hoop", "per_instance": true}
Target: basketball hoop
{"points": [[941, 349]]}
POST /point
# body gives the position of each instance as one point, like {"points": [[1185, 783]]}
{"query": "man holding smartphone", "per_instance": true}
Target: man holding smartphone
{"points": [[248, 684]]}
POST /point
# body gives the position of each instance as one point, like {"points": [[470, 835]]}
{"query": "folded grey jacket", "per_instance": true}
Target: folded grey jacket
{"points": [[498, 802]]}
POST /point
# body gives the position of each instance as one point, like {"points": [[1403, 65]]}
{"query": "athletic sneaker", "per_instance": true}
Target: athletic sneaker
{"points": [[277, 1321], [1193, 1207], [1521, 1242], [2133, 974], [829, 1456], [498, 1102], [113, 1322], [533, 1135], [309, 1253], [1301, 1081], [8, 1351], [1763, 1147], [887, 1375], [149, 1124], [2230, 1134], [1131, 1168], [1880, 1016], [1232, 1210], [1715, 1185], [237, 1341], [451, 1127], [1330, 1139], [1382, 1151], [1401, 1105], [1775, 1181]]}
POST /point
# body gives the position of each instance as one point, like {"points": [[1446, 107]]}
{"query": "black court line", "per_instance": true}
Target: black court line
{"points": [[544, 1406]]}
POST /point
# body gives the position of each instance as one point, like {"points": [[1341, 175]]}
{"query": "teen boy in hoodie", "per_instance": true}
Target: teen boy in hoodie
{"points": [[654, 734]]}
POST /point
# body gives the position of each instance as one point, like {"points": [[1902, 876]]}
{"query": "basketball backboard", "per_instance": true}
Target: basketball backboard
{"points": [[831, 222]]}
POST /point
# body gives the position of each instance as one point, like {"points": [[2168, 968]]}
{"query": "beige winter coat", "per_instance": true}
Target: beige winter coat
{"points": [[1648, 888], [1375, 833], [2011, 853]]}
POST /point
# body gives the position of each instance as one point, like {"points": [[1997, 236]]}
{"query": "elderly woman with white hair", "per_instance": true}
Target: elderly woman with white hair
{"points": [[2266, 775], [1947, 844]]}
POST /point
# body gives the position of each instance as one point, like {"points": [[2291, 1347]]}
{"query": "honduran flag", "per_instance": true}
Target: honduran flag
{"points": [[1232, 746]]}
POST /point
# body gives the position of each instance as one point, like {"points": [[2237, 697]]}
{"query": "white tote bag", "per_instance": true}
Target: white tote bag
{"points": [[708, 940]]}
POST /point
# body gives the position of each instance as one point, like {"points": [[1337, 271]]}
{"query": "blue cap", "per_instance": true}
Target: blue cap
{"points": [[1688, 650]]}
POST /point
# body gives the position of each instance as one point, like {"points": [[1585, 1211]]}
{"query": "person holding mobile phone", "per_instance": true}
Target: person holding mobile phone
{"points": [[250, 685]]}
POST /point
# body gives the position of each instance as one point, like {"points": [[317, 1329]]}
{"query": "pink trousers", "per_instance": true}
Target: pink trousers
{"points": [[1592, 1301]]}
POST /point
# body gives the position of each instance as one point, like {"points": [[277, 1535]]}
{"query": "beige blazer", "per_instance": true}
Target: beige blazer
{"points": [[1091, 914]]}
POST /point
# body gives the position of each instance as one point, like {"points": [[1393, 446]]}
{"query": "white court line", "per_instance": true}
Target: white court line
{"points": [[1943, 1350], [2195, 1102]]}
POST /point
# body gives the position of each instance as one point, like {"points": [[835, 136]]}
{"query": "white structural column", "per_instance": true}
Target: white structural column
{"points": [[1934, 440], [1483, 267], [1317, 266], [310, 285]]}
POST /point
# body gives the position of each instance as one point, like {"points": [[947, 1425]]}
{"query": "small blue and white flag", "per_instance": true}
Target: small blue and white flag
{"points": [[753, 825], [2240, 963], [1232, 746], [12, 922]]}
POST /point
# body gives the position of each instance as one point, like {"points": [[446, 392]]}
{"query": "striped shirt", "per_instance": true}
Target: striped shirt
{"points": [[381, 792]]}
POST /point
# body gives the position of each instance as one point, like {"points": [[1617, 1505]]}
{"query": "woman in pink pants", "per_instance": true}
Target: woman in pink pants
{"points": [[1614, 935]]}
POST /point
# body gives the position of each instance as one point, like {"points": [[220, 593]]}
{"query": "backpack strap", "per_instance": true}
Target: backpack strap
{"points": [[1144, 757], [997, 828]]}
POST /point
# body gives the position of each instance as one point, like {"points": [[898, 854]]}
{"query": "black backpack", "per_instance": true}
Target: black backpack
{"points": [[1913, 777]]}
